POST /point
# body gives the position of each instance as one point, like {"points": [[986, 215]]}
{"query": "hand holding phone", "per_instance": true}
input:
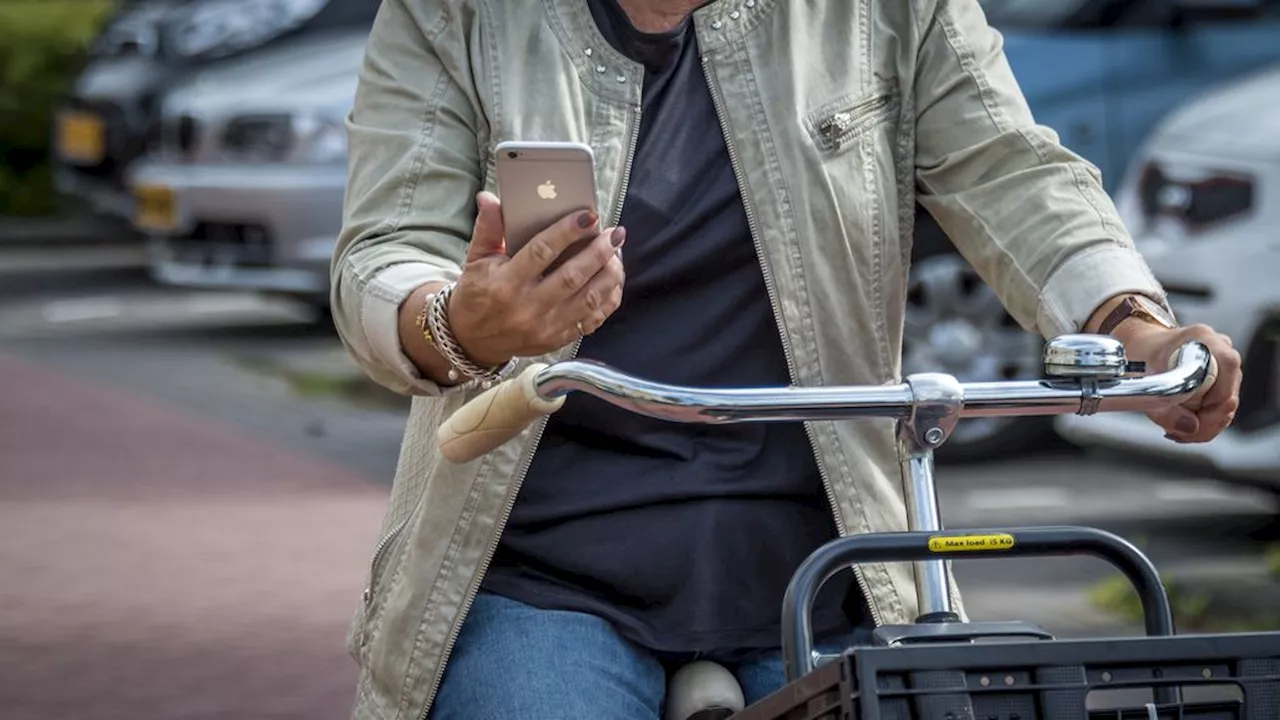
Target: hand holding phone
{"points": [[540, 183], [515, 301]]}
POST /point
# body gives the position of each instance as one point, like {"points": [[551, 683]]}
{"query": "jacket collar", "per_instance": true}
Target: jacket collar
{"points": [[608, 73]]}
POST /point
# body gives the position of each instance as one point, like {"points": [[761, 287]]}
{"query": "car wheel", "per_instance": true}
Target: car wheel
{"points": [[316, 304], [956, 324], [322, 314]]}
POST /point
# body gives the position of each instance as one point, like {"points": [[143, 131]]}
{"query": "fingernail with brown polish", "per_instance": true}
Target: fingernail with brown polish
{"points": [[619, 236], [586, 220], [1185, 425]]}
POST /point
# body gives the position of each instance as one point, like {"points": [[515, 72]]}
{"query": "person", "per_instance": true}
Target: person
{"points": [[759, 163]]}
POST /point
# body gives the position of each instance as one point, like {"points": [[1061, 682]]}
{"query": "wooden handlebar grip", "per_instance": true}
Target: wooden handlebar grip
{"points": [[1194, 402], [494, 417]]}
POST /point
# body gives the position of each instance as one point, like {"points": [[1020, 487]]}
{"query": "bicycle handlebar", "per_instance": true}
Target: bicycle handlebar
{"points": [[503, 411]]}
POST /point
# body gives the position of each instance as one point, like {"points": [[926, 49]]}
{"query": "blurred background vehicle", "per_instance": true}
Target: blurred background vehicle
{"points": [[1102, 73], [110, 115], [243, 189], [1203, 202]]}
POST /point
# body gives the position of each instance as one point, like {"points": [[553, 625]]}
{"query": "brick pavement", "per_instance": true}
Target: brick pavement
{"points": [[155, 564]]}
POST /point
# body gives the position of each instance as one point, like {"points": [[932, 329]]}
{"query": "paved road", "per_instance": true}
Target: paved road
{"points": [[187, 536], [159, 565], [184, 538]]}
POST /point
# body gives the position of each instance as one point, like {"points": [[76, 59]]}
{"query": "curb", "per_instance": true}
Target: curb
{"points": [[18, 232], [1066, 611], [342, 380], [68, 242]]}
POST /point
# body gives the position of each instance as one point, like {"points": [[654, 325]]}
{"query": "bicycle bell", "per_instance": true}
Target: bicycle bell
{"points": [[1096, 356]]}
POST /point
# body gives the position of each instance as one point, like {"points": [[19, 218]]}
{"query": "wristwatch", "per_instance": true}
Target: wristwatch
{"points": [[1137, 306]]}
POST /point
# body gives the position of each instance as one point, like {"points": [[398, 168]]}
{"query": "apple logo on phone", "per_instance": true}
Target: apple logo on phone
{"points": [[547, 190]]}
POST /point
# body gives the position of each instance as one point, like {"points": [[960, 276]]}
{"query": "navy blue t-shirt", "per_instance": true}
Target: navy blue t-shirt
{"points": [[683, 536]]}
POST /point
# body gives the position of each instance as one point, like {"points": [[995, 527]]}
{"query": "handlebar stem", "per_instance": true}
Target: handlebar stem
{"points": [[937, 402]]}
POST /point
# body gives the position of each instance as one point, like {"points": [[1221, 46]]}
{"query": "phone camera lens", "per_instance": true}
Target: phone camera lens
{"points": [[513, 154]]}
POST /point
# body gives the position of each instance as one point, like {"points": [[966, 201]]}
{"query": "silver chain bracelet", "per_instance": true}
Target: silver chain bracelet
{"points": [[447, 344]]}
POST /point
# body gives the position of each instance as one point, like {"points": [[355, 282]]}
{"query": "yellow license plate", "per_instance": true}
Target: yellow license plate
{"points": [[81, 138], [155, 208]]}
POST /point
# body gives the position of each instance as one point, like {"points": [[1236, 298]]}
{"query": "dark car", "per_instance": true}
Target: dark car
{"points": [[111, 115]]}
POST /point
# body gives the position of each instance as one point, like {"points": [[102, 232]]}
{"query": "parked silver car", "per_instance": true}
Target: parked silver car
{"points": [[244, 190], [107, 120], [1203, 201]]}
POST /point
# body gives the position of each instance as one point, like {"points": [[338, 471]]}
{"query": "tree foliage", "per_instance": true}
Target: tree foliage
{"points": [[42, 48]]}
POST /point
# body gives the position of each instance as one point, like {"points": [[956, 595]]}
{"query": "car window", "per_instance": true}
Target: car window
{"points": [[132, 28], [1053, 14], [1238, 11], [1029, 13], [1202, 13], [206, 30]]}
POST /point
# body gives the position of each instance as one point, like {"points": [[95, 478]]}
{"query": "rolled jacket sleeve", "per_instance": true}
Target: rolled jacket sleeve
{"points": [[1029, 215], [414, 171]]}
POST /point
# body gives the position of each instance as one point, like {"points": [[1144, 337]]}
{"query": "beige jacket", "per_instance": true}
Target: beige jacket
{"points": [[839, 115]]}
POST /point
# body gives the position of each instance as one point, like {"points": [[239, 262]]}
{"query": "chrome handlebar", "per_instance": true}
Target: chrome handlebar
{"points": [[1101, 389]]}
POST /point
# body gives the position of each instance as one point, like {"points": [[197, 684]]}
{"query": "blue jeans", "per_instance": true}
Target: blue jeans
{"points": [[517, 662]]}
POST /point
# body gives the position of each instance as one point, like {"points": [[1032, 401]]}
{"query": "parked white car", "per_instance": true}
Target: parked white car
{"points": [[1202, 200], [244, 187]]}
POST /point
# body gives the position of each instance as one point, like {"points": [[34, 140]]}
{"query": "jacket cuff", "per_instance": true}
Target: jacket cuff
{"points": [[385, 292], [1087, 280]]}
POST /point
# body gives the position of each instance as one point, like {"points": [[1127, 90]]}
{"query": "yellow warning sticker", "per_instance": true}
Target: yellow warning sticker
{"points": [[970, 543]]}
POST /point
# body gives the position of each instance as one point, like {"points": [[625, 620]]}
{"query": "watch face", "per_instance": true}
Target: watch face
{"points": [[1156, 311]]}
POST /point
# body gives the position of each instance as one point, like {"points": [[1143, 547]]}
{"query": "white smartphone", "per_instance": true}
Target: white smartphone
{"points": [[539, 183]]}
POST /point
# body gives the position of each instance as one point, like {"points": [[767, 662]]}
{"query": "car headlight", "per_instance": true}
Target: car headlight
{"points": [[259, 138], [320, 140], [1207, 199], [216, 28], [285, 137]]}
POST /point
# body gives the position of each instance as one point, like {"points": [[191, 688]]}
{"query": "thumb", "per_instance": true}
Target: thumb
{"points": [[489, 237], [1177, 420]]}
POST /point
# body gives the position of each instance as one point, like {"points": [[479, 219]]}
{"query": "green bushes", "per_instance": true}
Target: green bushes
{"points": [[1236, 602], [42, 44]]}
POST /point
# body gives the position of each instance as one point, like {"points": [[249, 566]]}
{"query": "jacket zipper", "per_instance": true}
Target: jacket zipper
{"points": [[834, 128], [718, 101], [378, 552], [527, 460]]}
